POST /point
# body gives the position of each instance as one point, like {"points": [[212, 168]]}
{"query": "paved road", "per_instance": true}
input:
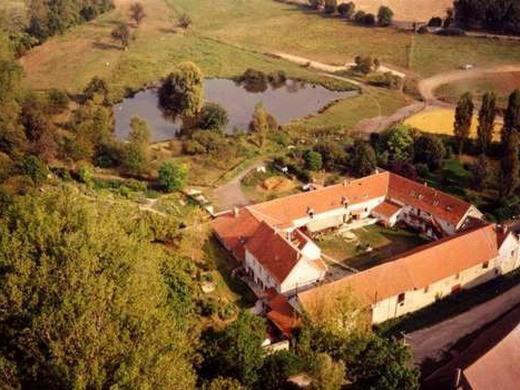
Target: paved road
{"points": [[433, 341], [230, 194]]}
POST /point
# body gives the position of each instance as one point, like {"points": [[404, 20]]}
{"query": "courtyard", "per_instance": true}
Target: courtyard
{"points": [[366, 247]]}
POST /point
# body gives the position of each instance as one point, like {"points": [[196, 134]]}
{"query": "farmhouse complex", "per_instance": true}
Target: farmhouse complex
{"points": [[273, 242]]}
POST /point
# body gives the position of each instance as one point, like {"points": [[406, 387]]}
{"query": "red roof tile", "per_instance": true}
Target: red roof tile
{"points": [[283, 211], [415, 269], [435, 202], [282, 314], [234, 231], [275, 253], [387, 208]]}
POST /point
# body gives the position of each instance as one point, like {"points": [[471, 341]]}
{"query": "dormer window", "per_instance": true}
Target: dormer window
{"points": [[310, 212], [344, 201]]}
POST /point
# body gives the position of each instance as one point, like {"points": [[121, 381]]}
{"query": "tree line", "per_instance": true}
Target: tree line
{"points": [[42, 19], [494, 15]]}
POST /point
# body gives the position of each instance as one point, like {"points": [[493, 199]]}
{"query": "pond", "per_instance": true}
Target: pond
{"points": [[287, 102]]}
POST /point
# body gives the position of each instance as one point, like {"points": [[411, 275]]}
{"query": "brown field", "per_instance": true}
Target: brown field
{"points": [[408, 10], [500, 83]]}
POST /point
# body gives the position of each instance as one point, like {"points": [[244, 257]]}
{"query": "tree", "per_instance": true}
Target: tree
{"points": [[87, 307], [182, 92], [383, 364], [97, 87], [463, 119], [184, 21], [430, 150], [398, 141], [331, 6], [277, 368], [332, 154], [363, 161], [510, 165], [136, 154], [137, 13], [259, 124], [213, 117], [347, 10], [12, 137], [122, 34], [512, 115], [172, 176], [35, 168], [220, 383], [327, 374], [385, 16], [365, 65], [236, 351], [480, 173], [486, 121], [313, 161]]}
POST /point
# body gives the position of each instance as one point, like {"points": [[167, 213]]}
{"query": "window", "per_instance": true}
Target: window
{"points": [[400, 298], [485, 265]]}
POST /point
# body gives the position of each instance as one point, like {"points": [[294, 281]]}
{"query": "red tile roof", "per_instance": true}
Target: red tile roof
{"points": [[415, 269], [387, 208], [283, 211], [282, 314], [234, 231], [435, 202], [275, 253]]}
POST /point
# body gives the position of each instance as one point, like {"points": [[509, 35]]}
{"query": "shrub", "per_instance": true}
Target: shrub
{"points": [[423, 30], [313, 160], [184, 21], [369, 20], [213, 117], [435, 22], [347, 10], [385, 16], [359, 17], [172, 176], [386, 80], [34, 168], [85, 174]]}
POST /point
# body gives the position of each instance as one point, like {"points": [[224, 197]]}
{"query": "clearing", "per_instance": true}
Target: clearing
{"points": [[351, 248], [441, 120]]}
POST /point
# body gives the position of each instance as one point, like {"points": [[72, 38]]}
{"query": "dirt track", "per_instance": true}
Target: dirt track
{"points": [[428, 86]]}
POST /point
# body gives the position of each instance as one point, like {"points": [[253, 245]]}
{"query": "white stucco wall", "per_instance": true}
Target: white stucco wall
{"points": [[417, 299], [311, 251], [301, 276]]}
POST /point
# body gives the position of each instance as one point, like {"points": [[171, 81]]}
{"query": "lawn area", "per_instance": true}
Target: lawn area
{"points": [[267, 26], [227, 287], [502, 84], [385, 243], [441, 120]]}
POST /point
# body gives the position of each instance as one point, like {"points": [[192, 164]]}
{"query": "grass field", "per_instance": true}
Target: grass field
{"points": [[502, 84], [385, 243], [440, 121]]}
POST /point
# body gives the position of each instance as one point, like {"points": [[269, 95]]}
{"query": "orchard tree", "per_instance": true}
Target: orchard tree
{"points": [[486, 121], [184, 21], [182, 92], [332, 153], [385, 16], [463, 119], [137, 13], [122, 34], [173, 176]]}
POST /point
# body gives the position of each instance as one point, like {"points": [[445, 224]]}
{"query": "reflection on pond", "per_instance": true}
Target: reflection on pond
{"points": [[286, 102]]}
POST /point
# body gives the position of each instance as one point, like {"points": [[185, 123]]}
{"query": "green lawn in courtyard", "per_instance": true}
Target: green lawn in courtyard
{"points": [[385, 244]]}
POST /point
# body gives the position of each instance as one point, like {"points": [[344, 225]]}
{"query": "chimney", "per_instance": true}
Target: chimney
{"points": [[236, 212]]}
